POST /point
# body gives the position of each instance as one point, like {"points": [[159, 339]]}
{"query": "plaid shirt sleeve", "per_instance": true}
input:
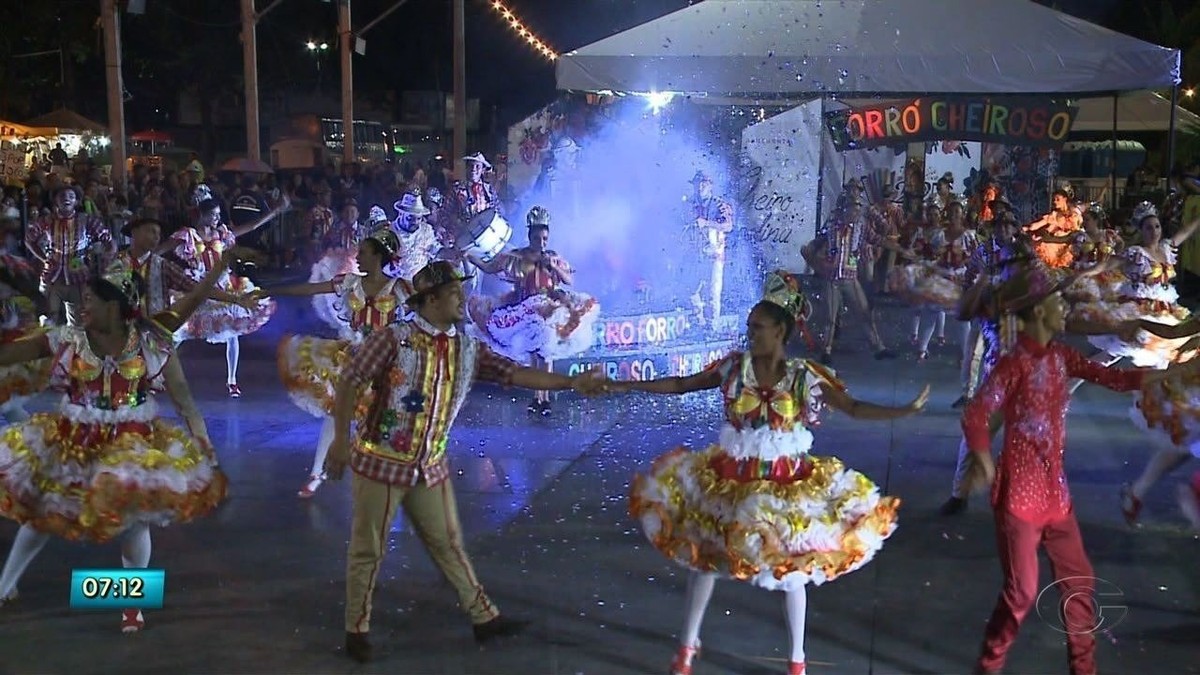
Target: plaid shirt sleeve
{"points": [[376, 353], [491, 367], [175, 279]]}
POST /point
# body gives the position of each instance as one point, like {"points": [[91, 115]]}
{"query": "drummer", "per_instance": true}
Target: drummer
{"points": [[471, 198]]}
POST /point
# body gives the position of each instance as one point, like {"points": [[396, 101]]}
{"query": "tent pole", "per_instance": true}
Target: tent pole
{"points": [[1112, 202], [1171, 134], [820, 179]]}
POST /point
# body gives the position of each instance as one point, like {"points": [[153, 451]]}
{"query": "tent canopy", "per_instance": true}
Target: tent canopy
{"points": [[789, 47], [67, 120], [1136, 111]]}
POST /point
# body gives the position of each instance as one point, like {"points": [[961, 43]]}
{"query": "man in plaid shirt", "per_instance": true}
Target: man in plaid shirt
{"points": [[421, 372]]}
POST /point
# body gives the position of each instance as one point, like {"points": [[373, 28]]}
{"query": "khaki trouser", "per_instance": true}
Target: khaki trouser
{"points": [[434, 515]]}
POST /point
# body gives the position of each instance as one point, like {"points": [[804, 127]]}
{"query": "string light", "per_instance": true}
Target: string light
{"points": [[523, 32]]}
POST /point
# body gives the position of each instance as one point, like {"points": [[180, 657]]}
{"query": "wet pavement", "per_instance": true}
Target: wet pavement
{"points": [[258, 587]]}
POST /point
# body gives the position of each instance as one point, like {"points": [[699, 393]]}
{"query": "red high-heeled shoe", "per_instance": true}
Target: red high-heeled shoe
{"points": [[682, 663], [796, 668], [132, 621]]}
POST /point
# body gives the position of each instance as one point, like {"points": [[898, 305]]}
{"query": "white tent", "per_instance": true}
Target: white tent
{"points": [[789, 47], [1136, 111]]}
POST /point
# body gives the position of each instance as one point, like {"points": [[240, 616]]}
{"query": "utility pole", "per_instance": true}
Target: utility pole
{"points": [[346, 35], [250, 75], [460, 88], [110, 19]]}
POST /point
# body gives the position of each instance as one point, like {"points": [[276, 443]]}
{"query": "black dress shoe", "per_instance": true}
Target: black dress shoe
{"points": [[962, 400], [498, 627], [827, 359], [884, 354], [358, 647], [953, 506]]}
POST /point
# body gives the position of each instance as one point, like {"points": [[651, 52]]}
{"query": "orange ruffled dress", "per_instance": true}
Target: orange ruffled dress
{"points": [[1169, 411], [105, 461], [756, 506], [1104, 287], [309, 366], [18, 319]]}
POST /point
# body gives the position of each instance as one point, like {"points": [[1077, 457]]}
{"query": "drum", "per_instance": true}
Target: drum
{"points": [[485, 236]]}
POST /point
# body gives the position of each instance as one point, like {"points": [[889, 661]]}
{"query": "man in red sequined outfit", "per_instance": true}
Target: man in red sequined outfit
{"points": [[70, 245], [1030, 499]]}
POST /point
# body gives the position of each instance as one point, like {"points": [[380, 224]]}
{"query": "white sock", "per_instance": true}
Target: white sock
{"points": [[323, 443], [135, 547], [699, 592], [26, 546], [232, 351], [941, 325], [916, 325], [796, 605]]}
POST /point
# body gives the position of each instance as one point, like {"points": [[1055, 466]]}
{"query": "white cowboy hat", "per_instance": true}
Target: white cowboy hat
{"points": [[411, 205], [479, 159]]}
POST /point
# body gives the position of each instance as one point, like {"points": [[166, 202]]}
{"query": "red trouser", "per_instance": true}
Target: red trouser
{"points": [[1017, 542]]}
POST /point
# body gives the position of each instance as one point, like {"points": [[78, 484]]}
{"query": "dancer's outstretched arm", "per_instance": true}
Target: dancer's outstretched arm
{"points": [[706, 379], [242, 230], [838, 399], [1185, 232], [183, 308], [315, 288], [29, 348], [1180, 330]]}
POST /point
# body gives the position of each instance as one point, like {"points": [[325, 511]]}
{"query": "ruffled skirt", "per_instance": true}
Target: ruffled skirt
{"points": [[1169, 411], [924, 284], [705, 511], [1104, 287], [309, 367], [218, 322], [93, 480], [553, 325], [335, 262], [1147, 351]]}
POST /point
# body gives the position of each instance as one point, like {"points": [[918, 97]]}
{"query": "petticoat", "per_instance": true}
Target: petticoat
{"points": [[553, 325], [1157, 304], [778, 523], [218, 322], [924, 284], [89, 474], [335, 262]]}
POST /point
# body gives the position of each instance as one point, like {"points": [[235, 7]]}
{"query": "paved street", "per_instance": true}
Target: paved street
{"points": [[258, 588]]}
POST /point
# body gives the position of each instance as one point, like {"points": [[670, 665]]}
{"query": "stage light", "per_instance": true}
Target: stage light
{"points": [[657, 100], [310, 45], [529, 36], [324, 46]]}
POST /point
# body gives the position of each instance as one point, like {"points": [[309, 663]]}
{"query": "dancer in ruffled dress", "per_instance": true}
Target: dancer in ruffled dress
{"points": [[1092, 249], [309, 366], [106, 465], [20, 305], [341, 255], [904, 280], [1147, 294], [1063, 220], [200, 247], [540, 320], [757, 506]]}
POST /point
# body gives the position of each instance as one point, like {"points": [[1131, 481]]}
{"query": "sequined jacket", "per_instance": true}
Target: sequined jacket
{"points": [[1029, 386]]}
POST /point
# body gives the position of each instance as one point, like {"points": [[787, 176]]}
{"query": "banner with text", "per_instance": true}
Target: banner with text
{"points": [[777, 185], [1009, 120]]}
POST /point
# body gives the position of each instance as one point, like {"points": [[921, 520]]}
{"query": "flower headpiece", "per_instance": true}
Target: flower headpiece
{"points": [[783, 289], [1097, 211], [201, 194], [1141, 212], [388, 240], [120, 275]]}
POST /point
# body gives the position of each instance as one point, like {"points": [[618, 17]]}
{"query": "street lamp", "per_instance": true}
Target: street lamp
{"points": [[317, 49], [1189, 92]]}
